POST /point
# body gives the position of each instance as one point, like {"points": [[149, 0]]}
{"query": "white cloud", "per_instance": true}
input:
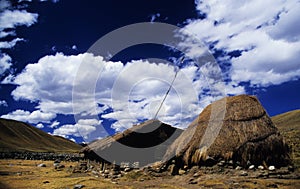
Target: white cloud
{"points": [[50, 82], [5, 63], [40, 126], [268, 37], [154, 17], [83, 128], [10, 44], [54, 124], [3, 103], [13, 18], [4, 33], [134, 91], [31, 117]]}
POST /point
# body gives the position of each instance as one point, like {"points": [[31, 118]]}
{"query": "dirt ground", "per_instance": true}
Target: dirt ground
{"points": [[26, 174]]}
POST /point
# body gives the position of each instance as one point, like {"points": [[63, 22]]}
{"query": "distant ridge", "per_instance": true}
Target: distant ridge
{"points": [[16, 136], [288, 124]]}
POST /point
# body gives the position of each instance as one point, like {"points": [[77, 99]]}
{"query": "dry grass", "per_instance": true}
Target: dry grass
{"points": [[289, 126], [242, 131], [24, 174], [19, 136]]}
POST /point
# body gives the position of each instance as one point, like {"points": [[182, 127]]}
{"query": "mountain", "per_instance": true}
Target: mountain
{"points": [[16, 136], [289, 125], [144, 143], [233, 128]]}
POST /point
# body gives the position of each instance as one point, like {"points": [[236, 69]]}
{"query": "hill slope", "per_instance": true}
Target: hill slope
{"points": [[289, 125], [18, 136]]}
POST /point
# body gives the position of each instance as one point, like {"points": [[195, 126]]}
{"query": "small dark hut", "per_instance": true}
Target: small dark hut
{"points": [[145, 143], [233, 128]]}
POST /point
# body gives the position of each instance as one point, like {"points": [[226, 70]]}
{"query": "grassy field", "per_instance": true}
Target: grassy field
{"points": [[24, 174]]}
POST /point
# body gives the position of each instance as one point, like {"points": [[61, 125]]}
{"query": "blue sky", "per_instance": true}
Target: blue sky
{"points": [[45, 47]]}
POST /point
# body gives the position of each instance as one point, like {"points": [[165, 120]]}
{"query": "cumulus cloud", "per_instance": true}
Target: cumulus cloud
{"points": [[77, 84], [13, 18], [10, 19], [31, 117], [54, 124], [9, 44], [3, 103], [40, 126], [268, 38], [50, 82], [5, 63], [83, 128]]}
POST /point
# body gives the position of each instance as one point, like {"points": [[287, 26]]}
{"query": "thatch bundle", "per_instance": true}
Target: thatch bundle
{"points": [[233, 128], [144, 143]]}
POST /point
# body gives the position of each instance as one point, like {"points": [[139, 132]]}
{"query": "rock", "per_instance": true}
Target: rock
{"points": [[174, 169], [272, 186], [106, 171], [114, 176], [261, 167], [238, 168], [198, 174], [56, 164], [221, 163], [291, 168], [181, 172], [271, 168], [251, 167], [192, 181], [243, 173], [78, 186], [127, 169], [236, 184], [248, 163], [59, 166], [230, 162], [42, 165], [57, 161], [94, 172], [114, 172]]}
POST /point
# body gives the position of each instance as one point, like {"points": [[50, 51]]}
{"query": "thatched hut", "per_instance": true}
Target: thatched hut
{"points": [[233, 128], [144, 143]]}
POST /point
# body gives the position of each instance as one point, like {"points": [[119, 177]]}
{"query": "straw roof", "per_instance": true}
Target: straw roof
{"points": [[144, 143], [233, 128]]}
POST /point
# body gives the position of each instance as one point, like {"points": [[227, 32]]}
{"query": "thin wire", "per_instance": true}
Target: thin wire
{"points": [[168, 91]]}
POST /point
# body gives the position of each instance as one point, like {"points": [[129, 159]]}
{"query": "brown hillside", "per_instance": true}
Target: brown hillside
{"points": [[289, 126], [18, 136], [242, 131], [144, 143]]}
